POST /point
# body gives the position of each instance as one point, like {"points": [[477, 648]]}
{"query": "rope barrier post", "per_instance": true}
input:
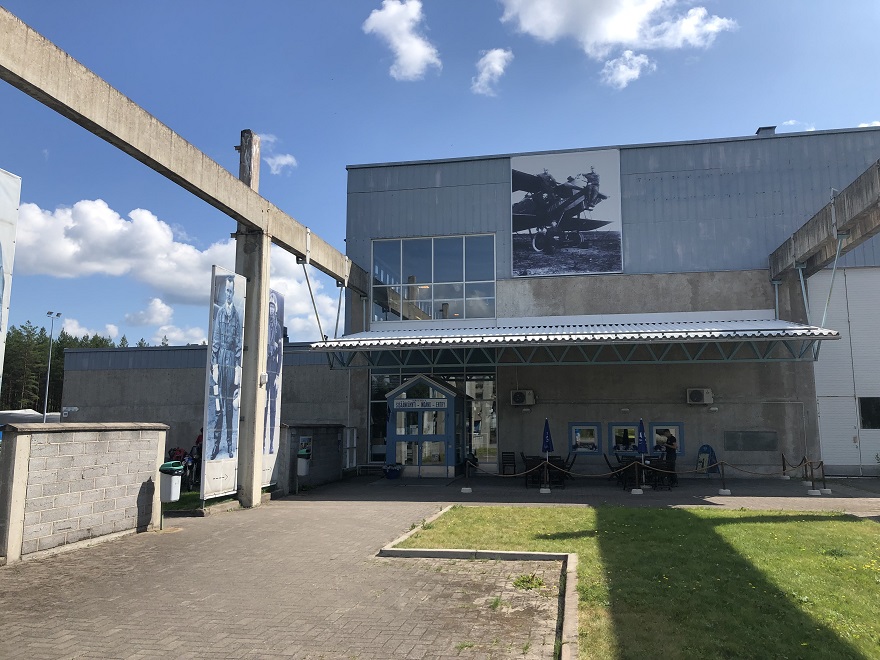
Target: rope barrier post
{"points": [[637, 490], [545, 484], [825, 490], [724, 490], [804, 462], [813, 490], [467, 477], [784, 468]]}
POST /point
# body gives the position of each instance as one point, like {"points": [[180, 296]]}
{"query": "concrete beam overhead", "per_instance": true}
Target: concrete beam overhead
{"points": [[855, 218], [33, 64]]}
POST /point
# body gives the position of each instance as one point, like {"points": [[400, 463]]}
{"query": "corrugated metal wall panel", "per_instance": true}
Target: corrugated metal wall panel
{"points": [[698, 206], [837, 420], [758, 191], [834, 368], [862, 285], [849, 368]]}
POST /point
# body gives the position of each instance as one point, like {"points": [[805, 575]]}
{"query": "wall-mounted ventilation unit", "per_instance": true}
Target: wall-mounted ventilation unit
{"points": [[522, 398], [699, 395]]}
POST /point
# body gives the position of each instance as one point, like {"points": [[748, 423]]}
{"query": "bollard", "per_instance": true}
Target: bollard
{"points": [[724, 490]]}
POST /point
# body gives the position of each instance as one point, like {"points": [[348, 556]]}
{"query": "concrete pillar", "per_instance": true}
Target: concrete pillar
{"points": [[14, 460], [252, 249]]}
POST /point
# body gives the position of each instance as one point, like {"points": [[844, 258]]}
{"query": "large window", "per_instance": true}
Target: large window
{"points": [[420, 279]]}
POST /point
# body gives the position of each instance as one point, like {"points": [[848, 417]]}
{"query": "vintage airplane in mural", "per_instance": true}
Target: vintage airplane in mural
{"points": [[555, 210]]}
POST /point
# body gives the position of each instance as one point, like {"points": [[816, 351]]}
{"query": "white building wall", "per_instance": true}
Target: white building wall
{"points": [[849, 368]]}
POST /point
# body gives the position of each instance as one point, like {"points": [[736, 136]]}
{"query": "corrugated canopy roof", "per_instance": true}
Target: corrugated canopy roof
{"points": [[503, 341]]}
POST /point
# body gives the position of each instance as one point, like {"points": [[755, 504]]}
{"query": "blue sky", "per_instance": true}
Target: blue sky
{"points": [[118, 249]]}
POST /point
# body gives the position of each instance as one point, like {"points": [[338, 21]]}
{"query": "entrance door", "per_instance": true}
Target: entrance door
{"points": [[484, 434]]}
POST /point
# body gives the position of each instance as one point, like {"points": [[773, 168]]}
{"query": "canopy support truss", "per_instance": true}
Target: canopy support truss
{"points": [[706, 352]]}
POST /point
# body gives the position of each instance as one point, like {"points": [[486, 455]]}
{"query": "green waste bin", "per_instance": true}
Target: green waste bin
{"points": [[169, 481], [303, 461]]}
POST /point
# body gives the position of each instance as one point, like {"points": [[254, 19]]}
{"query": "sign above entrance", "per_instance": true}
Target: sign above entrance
{"points": [[419, 404]]}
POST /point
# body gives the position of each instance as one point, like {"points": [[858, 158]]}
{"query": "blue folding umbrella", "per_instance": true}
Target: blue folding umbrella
{"points": [[547, 443], [643, 442]]}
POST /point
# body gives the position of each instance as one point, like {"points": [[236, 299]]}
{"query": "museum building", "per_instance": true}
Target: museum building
{"points": [[597, 288]]}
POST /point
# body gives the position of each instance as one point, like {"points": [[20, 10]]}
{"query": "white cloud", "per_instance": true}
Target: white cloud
{"points": [[397, 24], [156, 313], [178, 336], [603, 27], [90, 238], [267, 139], [622, 71], [490, 68], [873, 123], [74, 329], [299, 315], [799, 125], [278, 162]]}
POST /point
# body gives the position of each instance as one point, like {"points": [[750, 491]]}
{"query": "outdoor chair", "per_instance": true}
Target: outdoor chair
{"points": [[631, 474], [508, 462], [662, 475], [534, 474], [556, 472], [617, 476]]}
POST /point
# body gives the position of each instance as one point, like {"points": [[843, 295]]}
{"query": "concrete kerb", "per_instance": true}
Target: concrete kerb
{"points": [[567, 623]]}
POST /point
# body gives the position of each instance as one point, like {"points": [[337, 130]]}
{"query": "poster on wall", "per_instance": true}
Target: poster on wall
{"points": [[565, 213], [223, 384], [10, 195], [274, 364]]}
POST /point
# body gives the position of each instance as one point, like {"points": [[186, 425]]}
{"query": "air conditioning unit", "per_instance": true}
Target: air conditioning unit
{"points": [[522, 397], [699, 395]]}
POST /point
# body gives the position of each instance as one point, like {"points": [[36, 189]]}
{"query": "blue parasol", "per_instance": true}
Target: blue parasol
{"points": [[643, 442], [547, 443]]}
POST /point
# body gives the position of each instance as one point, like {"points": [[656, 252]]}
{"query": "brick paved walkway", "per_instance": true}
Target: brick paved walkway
{"points": [[294, 578], [299, 578]]}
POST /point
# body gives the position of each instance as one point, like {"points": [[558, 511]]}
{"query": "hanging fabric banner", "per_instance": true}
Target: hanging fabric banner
{"points": [[274, 367], [223, 384]]}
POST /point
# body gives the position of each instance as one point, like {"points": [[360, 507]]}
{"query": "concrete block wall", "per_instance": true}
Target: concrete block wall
{"points": [[71, 482]]}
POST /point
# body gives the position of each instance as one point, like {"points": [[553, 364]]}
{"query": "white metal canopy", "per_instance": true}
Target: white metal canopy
{"points": [[738, 336]]}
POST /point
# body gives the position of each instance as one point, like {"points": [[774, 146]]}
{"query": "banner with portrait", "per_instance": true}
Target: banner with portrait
{"points": [[10, 196], [274, 367], [223, 384]]}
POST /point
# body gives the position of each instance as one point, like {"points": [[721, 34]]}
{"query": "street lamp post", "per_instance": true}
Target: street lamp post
{"points": [[52, 316]]}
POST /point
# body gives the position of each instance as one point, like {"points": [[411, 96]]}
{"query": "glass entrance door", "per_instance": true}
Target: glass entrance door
{"points": [[483, 431]]}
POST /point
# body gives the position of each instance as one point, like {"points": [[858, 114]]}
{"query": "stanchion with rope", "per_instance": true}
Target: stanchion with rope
{"points": [[825, 490], [813, 490], [467, 478], [724, 490]]}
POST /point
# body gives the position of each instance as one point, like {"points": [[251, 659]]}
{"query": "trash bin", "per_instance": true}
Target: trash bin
{"points": [[303, 460], [169, 481]]}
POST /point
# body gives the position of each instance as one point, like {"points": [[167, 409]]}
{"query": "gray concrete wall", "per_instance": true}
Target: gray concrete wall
{"points": [[168, 396], [68, 483], [326, 463], [314, 394], [633, 294], [748, 397], [311, 394]]}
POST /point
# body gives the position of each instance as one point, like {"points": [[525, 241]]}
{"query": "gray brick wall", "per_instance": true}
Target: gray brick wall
{"points": [[85, 482]]}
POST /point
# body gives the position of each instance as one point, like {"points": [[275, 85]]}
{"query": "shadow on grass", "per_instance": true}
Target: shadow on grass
{"points": [[580, 534], [677, 589]]}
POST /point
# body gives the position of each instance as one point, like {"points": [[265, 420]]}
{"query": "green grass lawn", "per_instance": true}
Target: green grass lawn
{"points": [[699, 583]]}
